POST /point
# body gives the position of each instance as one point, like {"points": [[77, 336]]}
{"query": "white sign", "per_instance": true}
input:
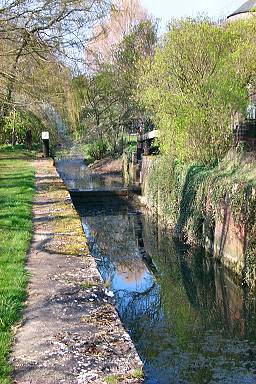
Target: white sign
{"points": [[45, 135]]}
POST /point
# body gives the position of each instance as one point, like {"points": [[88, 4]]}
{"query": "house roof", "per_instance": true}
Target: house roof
{"points": [[246, 7]]}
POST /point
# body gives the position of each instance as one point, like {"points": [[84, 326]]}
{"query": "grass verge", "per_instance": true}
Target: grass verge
{"points": [[16, 197]]}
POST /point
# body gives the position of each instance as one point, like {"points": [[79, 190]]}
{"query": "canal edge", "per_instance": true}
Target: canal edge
{"points": [[69, 321]]}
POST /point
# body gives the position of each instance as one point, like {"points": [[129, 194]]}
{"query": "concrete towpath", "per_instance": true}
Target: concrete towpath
{"points": [[70, 332]]}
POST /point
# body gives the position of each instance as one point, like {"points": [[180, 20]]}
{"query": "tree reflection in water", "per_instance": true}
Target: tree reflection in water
{"points": [[78, 176], [188, 319]]}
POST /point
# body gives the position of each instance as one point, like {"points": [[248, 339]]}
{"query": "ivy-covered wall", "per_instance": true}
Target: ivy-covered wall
{"points": [[210, 206]]}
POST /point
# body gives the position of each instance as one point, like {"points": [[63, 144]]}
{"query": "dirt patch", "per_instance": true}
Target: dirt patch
{"points": [[70, 332]]}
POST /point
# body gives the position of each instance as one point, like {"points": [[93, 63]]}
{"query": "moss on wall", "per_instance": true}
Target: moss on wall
{"points": [[201, 201]]}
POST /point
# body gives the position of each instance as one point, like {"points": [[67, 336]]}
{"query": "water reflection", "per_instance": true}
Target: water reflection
{"points": [[188, 319], [78, 176]]}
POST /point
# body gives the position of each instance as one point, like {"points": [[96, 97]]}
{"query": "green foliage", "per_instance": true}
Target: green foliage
{"points": [[16, 197], [36, 63], [196, 83], [16, 123], [130, 144], [165, 184], [100, 108], [107, 97], [97, 150], [176, 190], [191, 198]]}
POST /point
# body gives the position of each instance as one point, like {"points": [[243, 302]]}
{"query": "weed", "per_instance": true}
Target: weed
{"points": [[86, 285], [107, 283], [137, 374], [112, 379]]}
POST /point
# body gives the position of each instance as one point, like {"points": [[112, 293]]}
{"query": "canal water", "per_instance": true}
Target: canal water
{"points": [[188, 319]]}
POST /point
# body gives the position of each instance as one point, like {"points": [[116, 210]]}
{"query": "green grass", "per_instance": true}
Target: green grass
{"points": [[20, 150], [130, 143], [16, 195]]}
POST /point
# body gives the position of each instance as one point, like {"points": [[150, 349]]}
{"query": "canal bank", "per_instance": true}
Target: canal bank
{"points": [[210, 206], [185, 314], [70, 331]]}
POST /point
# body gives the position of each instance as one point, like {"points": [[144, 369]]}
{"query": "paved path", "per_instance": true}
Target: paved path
{"points": [[70, 331]]}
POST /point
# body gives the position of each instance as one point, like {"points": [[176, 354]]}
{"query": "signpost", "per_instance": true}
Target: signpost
{"points": [[46, 146]]}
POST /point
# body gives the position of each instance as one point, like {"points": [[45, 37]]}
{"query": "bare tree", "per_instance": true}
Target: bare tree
{"points": [[39, 32], [123, 17]]}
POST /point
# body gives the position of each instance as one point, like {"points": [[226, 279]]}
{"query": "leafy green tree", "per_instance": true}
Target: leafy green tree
{"points": [[98, 97], [196, 83], [129, 59], [107, 97]]}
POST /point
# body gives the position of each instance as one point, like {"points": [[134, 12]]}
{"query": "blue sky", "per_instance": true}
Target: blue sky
{"points": [[168, 9]]}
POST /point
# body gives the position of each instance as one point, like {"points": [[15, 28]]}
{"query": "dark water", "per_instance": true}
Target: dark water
{"points": [[188, 319]]}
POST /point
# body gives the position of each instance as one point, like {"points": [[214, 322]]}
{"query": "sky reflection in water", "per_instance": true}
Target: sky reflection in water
{"points": [[188, 319]]}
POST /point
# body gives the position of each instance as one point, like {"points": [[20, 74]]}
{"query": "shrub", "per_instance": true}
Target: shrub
{"points": [[98, 149]]}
